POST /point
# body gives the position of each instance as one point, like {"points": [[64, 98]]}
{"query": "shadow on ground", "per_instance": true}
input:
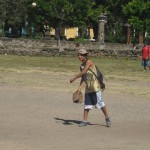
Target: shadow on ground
{"points": [[71, 122]]}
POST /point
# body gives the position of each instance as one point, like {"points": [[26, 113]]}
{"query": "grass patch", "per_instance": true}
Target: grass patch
{"points": [[121, 68], [124, 75]]}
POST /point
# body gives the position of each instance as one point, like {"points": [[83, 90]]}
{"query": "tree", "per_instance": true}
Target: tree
{"points": [[116, 20], [59, 13], [138, 14], [114, 12], [13, 13], [98, 7]]}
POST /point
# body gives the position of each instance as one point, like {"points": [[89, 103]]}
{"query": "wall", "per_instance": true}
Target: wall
{"points": [[70, 32], [45, 47]]}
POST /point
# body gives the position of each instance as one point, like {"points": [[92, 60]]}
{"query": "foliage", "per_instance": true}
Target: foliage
{"points": [[138, 14], [13, 12], [112, 9], [71, 13], [98, 7], [58, 13]]}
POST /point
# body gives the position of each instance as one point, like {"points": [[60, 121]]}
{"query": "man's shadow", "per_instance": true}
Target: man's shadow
{"points": [[71, 122], [68, 122]]}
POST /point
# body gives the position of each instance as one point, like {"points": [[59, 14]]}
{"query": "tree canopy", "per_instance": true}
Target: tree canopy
{"points": [[72, 13], [138, 14]]}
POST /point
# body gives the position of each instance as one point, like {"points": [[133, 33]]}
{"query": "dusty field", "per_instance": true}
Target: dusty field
{"points": [[36, 113]]}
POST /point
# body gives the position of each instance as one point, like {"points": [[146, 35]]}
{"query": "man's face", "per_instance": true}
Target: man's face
{"points": [[81, 57]]}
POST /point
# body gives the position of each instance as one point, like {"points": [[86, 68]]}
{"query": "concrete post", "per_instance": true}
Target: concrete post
{"points": [[141, 39], [128, 33], [101, 32]]}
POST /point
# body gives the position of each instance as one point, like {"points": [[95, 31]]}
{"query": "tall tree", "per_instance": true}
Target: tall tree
{"points": [[68, 13], [12, 13], [98, 7], [113, 9], [138, 14]]}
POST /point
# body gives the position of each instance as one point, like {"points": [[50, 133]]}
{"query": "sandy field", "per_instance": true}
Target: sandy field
{"points": [[38, 114]]}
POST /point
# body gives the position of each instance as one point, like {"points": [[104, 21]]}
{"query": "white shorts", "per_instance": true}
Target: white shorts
{"points": [[93, 99]]}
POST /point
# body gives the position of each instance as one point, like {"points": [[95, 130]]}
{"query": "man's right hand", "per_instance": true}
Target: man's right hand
{"points": [[71, 80]]}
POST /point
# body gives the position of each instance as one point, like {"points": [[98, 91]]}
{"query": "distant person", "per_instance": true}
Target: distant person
{"points": [[93, 94], [146, 56], [77, 45], [133, 50]]}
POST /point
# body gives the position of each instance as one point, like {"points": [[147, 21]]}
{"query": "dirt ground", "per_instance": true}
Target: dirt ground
{"points": [[41, 116]]}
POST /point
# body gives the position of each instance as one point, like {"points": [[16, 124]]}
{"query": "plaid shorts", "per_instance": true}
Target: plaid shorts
{"points": [[93, 99]]}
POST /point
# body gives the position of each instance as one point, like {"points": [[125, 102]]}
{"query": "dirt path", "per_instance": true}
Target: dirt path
{"points": [[33, 118]]}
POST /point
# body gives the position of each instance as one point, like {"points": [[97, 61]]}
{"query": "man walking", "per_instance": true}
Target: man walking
{"points": [[93, 94]]}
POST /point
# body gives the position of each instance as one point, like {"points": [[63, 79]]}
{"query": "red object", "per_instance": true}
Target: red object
{"points": [[145, 52]]}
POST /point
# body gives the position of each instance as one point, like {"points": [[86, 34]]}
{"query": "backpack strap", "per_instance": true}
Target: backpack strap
{"points": [[93, 73], [102, 85]]}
